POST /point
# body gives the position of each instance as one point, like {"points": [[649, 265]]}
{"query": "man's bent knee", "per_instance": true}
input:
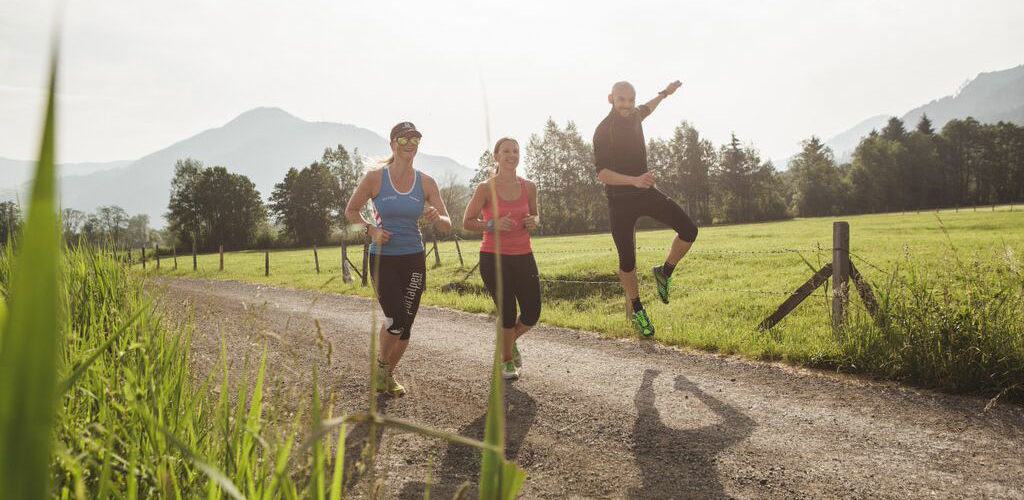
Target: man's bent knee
{"points": [[688, 235]]}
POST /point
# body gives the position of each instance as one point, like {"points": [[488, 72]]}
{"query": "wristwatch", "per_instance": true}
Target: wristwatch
{"points": [[490, 226], [662, 93]]}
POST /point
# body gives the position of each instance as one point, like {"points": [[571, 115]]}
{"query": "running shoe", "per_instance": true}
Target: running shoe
{"points": [[663, 283], [509, 370], [517, 357], [381, 383], [643, 323], [394, 388]]}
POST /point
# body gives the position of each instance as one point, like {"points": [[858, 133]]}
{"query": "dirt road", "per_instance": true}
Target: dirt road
{"points": [[600, 418]]}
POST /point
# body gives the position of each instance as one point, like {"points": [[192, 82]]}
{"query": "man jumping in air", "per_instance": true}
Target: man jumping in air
{"points": [[621, 159]]}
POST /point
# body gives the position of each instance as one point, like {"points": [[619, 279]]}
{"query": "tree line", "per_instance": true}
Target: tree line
{"points": [[727, 184], [967, 163], [210, 206], [107, 225]]}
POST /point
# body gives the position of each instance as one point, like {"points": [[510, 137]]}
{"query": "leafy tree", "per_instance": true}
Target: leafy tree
{"points": [[185, 211], [231, 208], [924, 125], [874, 175], [746, 189], [960, 158], [732, 183], [695, 159], [306, 203], [138, 232], [71, 223], [484, 169], [348, 169], [456, 196], [816, 180], [213, 207], [894, 130], [113, 223], [922, 177], [561, 164]]}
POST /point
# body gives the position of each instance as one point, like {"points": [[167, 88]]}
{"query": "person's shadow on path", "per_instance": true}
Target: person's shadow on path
{"points": [[356, 452], [462, 463], [678, 463]]}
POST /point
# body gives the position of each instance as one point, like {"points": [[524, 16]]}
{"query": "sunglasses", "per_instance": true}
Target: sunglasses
{"points": [[402, 141]]}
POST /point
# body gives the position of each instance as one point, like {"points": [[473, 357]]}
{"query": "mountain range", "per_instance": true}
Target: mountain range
{"points": [[989, 98], [262, 144]]}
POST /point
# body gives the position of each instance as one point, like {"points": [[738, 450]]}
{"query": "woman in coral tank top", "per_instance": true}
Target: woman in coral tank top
{"points": [[514, 200]]}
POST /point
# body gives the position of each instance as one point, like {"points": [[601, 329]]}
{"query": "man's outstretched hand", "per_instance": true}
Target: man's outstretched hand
{"points": [[672, 88]]}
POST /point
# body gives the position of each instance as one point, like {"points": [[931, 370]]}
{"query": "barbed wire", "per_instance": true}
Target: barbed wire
{"points": [[685, 288], [868, 263], [772, 251]]}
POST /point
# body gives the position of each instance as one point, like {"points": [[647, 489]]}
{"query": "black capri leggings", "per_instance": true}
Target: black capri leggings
{"points": [[399, 283], [623, 212], [520, 282]]}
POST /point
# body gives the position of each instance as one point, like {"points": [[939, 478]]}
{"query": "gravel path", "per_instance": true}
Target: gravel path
{"points": [[599, 418]]}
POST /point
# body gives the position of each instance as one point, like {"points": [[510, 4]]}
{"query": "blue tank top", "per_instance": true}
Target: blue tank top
{"points": [[397, 213]]}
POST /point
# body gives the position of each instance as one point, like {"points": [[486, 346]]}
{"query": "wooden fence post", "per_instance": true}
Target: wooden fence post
{"points": [[840, 272], [174, 255], [220, 249], [266, 263], [156, 255], [195, 266], [316, 260], [366, 256], [458, 250], [437, 255], [346, 274], [797, 297], [143, 256]]}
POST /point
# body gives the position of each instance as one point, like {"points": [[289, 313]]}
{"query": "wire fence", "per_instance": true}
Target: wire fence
{"points": [[432, 248]]}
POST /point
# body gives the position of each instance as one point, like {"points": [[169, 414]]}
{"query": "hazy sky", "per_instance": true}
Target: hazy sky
{"points": [[139, 75]]}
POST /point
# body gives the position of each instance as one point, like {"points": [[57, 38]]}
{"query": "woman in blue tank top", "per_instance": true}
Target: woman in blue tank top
{"points": [[401, 195]]}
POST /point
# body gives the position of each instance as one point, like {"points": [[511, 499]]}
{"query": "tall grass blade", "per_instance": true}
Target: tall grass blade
{"points": [[70, 380], [498, 477], [319, 477], [211, 472], [28, 355], [339, 464]]}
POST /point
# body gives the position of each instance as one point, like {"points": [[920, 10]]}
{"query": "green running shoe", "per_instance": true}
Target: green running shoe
{"points": [[663, 283], [381, 382], [643, 323], [509, 371], [394, 388], [517, 357]]}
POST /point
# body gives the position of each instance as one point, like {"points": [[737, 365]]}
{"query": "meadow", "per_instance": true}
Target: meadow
{"points": [[733, 278]]}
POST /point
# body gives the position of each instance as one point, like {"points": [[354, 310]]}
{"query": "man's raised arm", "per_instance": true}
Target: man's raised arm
{"points": [[653, 103]]}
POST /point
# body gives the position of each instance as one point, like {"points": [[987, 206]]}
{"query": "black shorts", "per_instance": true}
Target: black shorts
{"points": [[519, 283], [623, 212], [399, 283]]}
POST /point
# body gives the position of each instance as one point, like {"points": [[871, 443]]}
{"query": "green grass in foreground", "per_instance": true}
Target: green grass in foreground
{"points": [[713, 305]]}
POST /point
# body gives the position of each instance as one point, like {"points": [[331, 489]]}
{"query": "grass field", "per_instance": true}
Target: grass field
{"points": [[717, 298]]}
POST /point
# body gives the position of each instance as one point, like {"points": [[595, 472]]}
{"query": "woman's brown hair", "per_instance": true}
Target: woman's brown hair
{"points": [[497, 146]]}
